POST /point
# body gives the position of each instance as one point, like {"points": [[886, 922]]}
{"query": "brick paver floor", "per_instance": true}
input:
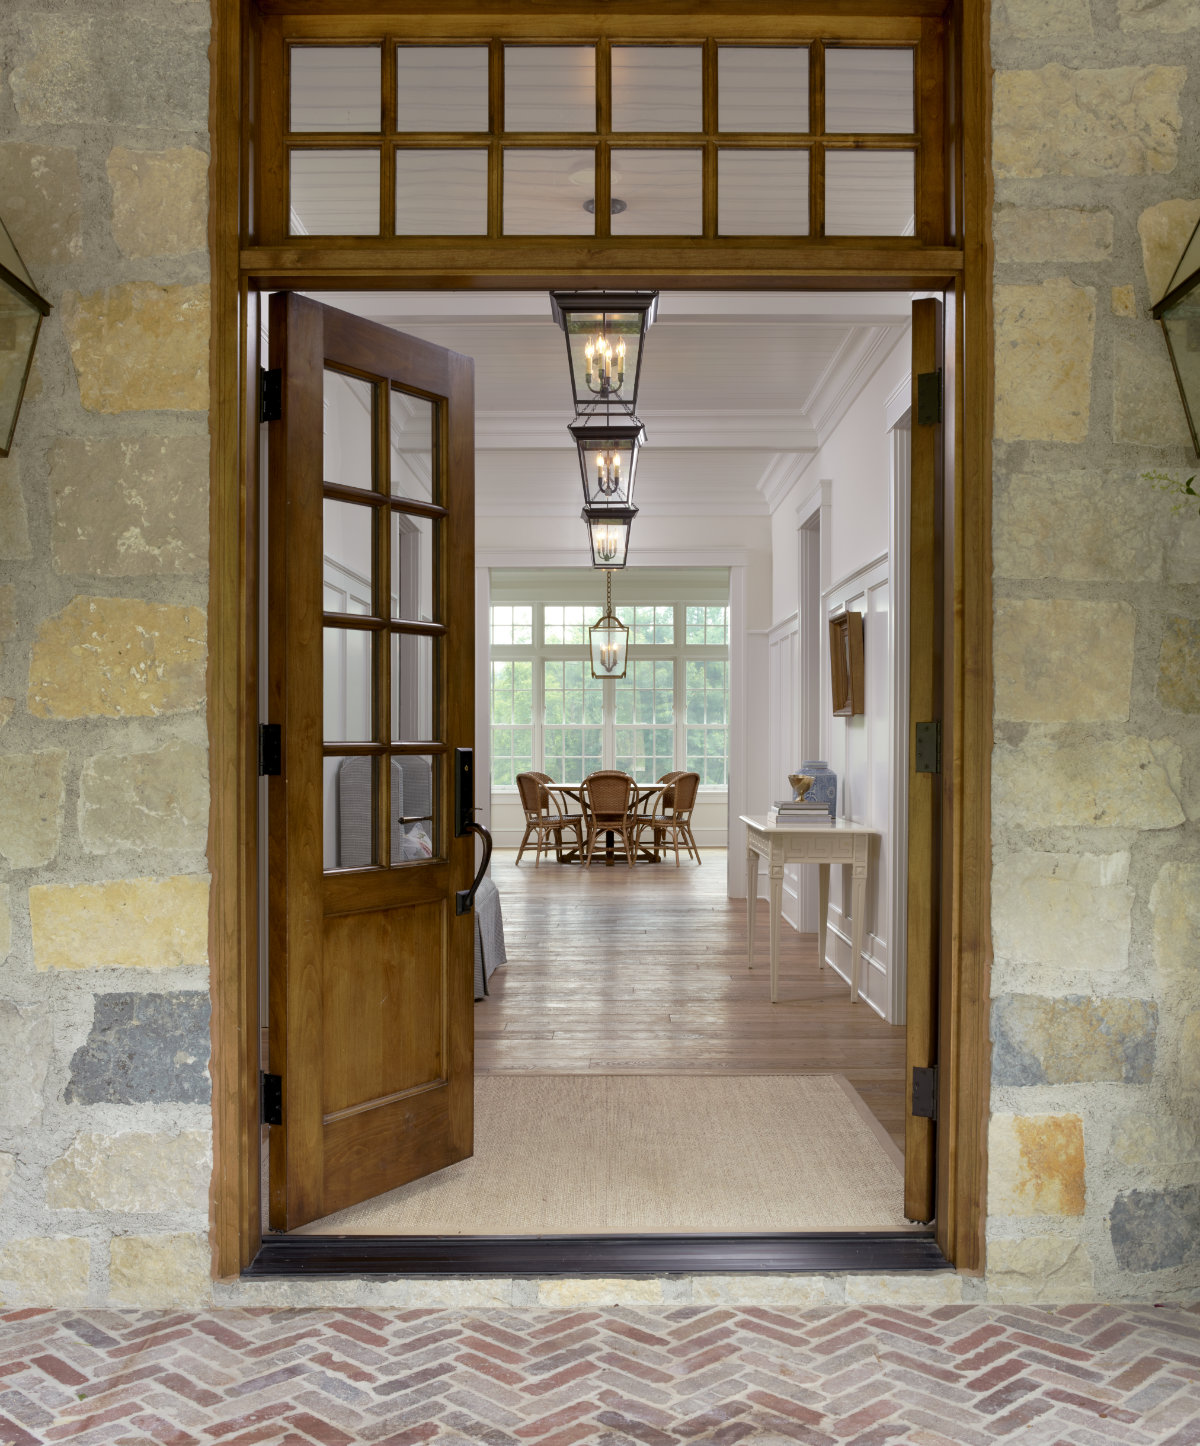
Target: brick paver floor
{"points": [[1089, 1375]]}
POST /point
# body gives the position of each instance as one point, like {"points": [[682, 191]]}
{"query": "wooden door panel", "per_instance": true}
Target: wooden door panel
{"points": [[417, 1135]]}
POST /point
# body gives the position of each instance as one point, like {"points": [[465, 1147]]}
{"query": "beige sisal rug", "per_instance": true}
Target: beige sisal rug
{"points": [[573, 1154]]}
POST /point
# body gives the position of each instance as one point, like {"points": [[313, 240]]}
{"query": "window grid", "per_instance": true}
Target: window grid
{"points": [[649, 625], [512, 626], [536, 714], [707, 624], [815, 139], [707, 702]]}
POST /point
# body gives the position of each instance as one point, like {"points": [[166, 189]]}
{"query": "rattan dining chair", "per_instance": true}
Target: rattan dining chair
{"points": [[671, 817], [608, 808], [546, 821]]}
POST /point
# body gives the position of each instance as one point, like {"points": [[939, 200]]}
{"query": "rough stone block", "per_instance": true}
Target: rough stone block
{"points": [[132, 1173], [8, 610], [124, 924], [129, 508], [45, 1270], [1165, 230], [32, 792], [1041, 19], [1113, 783], [6, 709], [1062, 122], [144, 1048], [1159, 1140], [14, 525], [1027, 234], [1156, 1229], [42, 202], [460, 1294], [126, 67], [1038, 1040], [1044, 340], [562, 1294], [1058, 524], [26, 1044], [154, 800], [1175, 905], [1124, 301], [1179, 665], [118, 658], [8, 1168], [1058, 660], [924, 1288], [1146, 405], [791, 1291], [1036, 1165], [5, 923], [160, 1271], [1189, 1054], [1049, 909], [1174, 17], [1038, 1270], [160, 200], [140, 347]]}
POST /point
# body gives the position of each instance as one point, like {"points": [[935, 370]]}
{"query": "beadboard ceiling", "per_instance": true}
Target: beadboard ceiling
{"points": [[738, 390]]}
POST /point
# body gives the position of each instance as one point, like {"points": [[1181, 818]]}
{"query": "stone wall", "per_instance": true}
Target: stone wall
{"points": [[1094, 1157], [105, 1133]]}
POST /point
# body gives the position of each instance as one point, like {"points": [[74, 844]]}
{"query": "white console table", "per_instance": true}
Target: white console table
{"points": [[839, 843]]}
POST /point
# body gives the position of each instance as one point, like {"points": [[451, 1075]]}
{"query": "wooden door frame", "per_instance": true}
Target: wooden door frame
{"points": [[965, 271]]}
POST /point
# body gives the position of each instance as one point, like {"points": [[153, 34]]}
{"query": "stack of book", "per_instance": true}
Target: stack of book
{"points": [[798, 812]]}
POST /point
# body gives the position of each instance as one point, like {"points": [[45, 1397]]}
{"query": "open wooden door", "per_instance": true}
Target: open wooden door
{"points": [[371, 645], [924, 759]]}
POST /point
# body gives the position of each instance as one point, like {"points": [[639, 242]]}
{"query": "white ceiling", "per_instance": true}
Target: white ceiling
{"points": [[738, 390]]}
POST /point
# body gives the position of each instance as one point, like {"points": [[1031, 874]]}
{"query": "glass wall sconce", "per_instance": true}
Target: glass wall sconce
{"points": [[21, 312], [1178, 313]]}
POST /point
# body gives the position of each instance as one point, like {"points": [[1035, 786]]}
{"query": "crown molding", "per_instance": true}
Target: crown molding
{"points": [[848, 373]]}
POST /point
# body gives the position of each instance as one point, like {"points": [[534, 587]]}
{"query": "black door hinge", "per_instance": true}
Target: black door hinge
{"points": [[928, 748], [270, 394], [271, 1096], [270, 750], [924, 1093], [929, 398]]}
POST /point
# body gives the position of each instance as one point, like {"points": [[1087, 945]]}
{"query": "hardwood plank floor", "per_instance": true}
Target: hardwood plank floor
{"points": [[613, 970]]}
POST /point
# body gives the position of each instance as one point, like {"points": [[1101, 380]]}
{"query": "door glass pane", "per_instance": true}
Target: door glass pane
{"points": [[762, 88], [348, 572], [412, 688], [335, 87], [442, 88], [869, 193], [549, 193], [762, 193], [348, 430], [412, 568], [348, 685], [348, 785], [412, 432], [334, 193], [661, 192], [868, 90], [414, 795], [441, 193], [656, 88], [549, 88]]}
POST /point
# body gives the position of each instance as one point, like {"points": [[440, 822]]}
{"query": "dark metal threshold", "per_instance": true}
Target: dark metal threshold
{"points": [[542, 1255]]}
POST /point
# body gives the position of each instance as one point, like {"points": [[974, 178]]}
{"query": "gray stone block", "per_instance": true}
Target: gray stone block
{"points": [[1038, 1040], [144, 1048], [1155, 1229]]}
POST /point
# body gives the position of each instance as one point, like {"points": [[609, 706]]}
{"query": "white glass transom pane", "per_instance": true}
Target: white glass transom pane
{"points": [[662, 192], [349, 426], [442, 88], [549, 88], [441, 193], [335, 87], [549, 193], [869, 193], [868, 91], [656, 88], [762, 193], [762, 88], [334, 193]]}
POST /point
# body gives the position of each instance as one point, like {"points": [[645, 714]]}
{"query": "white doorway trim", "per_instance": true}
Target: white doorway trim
{"points": [[814, 543], [899, 420]]}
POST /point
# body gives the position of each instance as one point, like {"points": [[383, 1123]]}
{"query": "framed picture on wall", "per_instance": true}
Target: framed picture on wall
{"points": [[846, 664]]}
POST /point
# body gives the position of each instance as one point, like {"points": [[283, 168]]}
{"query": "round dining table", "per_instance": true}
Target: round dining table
{"points": [[642, 792]]}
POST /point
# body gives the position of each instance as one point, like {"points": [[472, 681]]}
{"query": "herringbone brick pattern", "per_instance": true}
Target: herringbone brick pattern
{"points": [[1091, 1375]]}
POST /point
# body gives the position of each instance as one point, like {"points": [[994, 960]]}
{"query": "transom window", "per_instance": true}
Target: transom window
{"points": [[669, 711]]}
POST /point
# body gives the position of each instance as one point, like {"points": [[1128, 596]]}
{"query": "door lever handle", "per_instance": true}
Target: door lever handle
{"points": [[465, 898]]}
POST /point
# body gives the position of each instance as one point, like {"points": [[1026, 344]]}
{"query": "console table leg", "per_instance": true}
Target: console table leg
{"points": [[858, 896], [822, 912], [751, 903], [776, 911]]}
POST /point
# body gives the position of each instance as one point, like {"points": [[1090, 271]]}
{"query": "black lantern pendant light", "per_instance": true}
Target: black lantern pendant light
{"points": [[605, 331], [608, 454], [21, 312], [609, 640], [1179, 315], [608, 533]]}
